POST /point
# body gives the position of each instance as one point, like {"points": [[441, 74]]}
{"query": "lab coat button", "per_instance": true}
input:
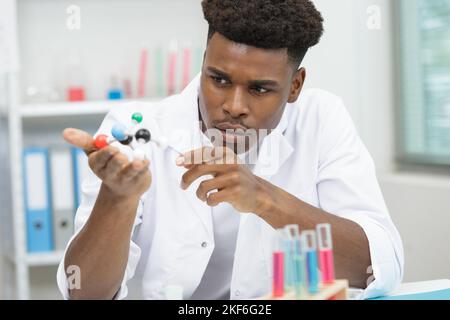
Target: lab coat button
{"points": [[204, 244], [237, 293]]}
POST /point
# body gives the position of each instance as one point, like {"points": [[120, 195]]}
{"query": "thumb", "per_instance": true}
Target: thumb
{"points": [[80, 139]]}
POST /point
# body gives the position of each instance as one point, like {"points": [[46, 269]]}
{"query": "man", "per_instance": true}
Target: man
{"points": [[206, 220]]}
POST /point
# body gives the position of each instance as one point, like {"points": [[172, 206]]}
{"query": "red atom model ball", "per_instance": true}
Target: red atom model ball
{"points": [[101, 141]]}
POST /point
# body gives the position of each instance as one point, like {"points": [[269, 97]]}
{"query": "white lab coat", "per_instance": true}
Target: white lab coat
{"points": [[316, 156]]}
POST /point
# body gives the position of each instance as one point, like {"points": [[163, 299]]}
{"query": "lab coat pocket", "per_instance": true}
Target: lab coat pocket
{"points": [[267, 237], [251, 275]]}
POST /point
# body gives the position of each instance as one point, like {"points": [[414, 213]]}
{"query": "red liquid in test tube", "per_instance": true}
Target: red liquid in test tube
{"points": [[186, 66], [278, 274], [278, 266], [142, 73], [326, 256], [173, 52]]}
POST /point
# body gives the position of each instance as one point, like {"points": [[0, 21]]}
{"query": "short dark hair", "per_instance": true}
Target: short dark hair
{"points": [[268, 24]]}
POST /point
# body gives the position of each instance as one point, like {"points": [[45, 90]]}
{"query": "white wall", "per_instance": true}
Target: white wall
{"points": [[359, 65], [109, 42], [422, 206]]}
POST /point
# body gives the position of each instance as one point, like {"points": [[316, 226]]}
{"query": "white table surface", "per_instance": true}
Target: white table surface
{"points": [[409, 288], [421, 287]]}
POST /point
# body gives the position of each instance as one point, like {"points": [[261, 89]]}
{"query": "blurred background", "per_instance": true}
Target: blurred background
{"points": [[67, 63]]}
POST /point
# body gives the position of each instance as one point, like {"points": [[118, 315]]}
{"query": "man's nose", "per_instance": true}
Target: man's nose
{"points": [[236, 104]]}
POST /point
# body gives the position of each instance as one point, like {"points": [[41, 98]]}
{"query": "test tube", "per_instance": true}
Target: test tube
{"points": [[160, 72], [278, 265], [299, 266], [326, 259], [142, 73], [186, 78], [290, 233], [173, 56], [309, 247]]}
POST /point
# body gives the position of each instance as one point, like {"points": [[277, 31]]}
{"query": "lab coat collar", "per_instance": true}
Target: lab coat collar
{"points": [[184, 130]]}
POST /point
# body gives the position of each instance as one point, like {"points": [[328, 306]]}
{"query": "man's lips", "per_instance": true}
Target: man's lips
{"points": [[229, 126], [232, 133]]}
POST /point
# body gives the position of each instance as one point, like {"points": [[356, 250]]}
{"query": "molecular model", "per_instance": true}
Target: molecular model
{"points": [[133, 138]]}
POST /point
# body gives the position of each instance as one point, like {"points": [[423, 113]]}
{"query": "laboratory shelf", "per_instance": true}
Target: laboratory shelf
{"points": [[44, 259], [28, 111]]}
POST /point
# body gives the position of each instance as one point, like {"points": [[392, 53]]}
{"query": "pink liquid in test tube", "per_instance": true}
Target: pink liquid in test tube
{"points": [[326, 258], [278, 274], [278, 265], [142, 73], [186, 66], [172, 68], [326, 261]]}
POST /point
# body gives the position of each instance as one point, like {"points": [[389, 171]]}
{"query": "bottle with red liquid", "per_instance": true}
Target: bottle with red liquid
{"points": [[75, 87]]}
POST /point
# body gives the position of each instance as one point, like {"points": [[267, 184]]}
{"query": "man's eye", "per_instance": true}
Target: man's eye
{"points": [[219, 80], [260, 90]]}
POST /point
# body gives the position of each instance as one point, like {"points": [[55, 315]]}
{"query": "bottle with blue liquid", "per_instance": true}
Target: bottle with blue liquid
{"points": [[115, 92]]}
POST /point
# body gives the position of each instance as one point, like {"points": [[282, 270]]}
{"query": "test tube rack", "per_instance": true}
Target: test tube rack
{"points": [[296, 260], [338, 290]]}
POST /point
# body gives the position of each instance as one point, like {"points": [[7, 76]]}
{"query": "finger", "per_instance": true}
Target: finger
{"points": [[198, 171], [80, 139], [115, 165], [219, 183], [193, 157], [206, 155], [190, 166], [134, 169], [216, 198], [144, 169], [99, 159], [224, 155]]}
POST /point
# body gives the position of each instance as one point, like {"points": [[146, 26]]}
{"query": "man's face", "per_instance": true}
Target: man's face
{"points": [[244, 87]]}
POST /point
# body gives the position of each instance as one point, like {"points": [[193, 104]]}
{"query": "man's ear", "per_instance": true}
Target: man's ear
{"points": [[297, 85]]}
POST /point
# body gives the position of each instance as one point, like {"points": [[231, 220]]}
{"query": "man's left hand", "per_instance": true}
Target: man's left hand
{"points": [[231, 181]]}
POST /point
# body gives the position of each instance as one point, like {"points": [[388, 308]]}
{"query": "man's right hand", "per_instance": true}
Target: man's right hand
{"points": [[121, 177]]}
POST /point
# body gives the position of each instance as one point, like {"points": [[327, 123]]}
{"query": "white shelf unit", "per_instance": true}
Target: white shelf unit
{"points": [[66, 109], [38, 259], [17, 114], [83, 108], [44, 259], [22, 119]]}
